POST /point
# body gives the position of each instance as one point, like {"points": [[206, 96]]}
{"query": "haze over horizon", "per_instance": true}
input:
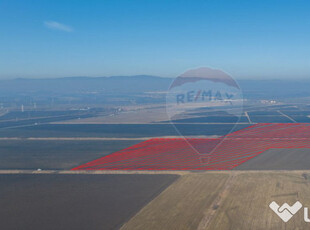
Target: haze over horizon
{"points": [[144, 76], [249, 40]]}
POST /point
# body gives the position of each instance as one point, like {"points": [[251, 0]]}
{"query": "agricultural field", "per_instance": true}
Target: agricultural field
{"points": [[182, 205], [52, 201], [279, 159], [213, 119], [264, 113], [142, 114], [301, 119], [36, 121], [119, 130], [246, 203], [270, 119], [55, 154], [34, 117], [226, 200]]}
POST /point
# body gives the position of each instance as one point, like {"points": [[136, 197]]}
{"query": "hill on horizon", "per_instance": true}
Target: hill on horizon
{"points": [[138, 84]]}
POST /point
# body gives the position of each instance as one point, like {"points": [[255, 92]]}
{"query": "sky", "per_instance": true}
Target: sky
{"points": [[264, 39]]}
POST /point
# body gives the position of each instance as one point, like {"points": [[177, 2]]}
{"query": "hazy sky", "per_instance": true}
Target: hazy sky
{"points": [[248, 39]]}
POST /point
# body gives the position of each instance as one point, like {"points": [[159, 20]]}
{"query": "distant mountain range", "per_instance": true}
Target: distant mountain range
{"points": [[142, 83], [69, 85]]}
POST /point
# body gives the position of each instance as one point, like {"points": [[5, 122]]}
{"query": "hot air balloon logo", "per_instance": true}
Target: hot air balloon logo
{"points": [[204, 96]]}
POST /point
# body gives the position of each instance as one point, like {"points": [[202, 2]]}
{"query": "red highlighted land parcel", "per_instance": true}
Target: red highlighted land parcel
{"points": [[222, 153]]}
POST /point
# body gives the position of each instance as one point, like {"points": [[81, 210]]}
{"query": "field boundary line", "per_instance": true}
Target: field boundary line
{"points": [[247, 115], [287, 116]]}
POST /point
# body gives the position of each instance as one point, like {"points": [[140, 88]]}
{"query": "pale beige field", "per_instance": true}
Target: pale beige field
{"points": [[226, 200], [130, 115], [182, 205]]}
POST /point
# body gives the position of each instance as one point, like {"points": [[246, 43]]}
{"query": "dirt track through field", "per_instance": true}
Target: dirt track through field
{"points": [[210, 213]]}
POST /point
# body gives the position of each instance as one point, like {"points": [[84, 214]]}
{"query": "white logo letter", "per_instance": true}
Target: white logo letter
{"points": [[306, 218]]}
